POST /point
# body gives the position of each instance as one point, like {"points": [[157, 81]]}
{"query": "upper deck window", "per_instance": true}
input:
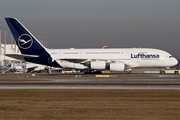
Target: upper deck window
{"points": [[102, 52], [71, 53]]}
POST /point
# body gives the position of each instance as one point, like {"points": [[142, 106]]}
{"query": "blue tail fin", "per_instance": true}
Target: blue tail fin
{"points": [[28, 44]]}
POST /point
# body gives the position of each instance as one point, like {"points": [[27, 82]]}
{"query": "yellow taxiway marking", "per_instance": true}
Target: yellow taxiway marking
{"points": [[102, 75], [106, 76]]}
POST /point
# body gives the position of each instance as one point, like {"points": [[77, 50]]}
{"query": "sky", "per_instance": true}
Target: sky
{"points": [[98, 23]]}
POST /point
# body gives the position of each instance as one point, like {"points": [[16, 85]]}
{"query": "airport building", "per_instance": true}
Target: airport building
{"points": [[7, 63]]}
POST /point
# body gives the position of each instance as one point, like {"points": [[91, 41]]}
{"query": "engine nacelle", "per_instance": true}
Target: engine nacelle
{"points": [[117, 66], [98, 65]]}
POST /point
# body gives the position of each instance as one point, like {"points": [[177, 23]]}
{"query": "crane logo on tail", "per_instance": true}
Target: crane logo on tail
{"points": [[25, 41]]}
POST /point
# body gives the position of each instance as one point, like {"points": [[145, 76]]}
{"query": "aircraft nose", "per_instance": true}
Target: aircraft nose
{"points": [[174, 61]]}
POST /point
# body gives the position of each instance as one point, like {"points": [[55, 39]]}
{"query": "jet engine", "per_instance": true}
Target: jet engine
{"points": [[116, 66], [98, 65]]}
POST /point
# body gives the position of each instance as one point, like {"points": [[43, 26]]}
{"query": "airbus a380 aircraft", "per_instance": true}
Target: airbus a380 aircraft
{"points": [[92, 59]]}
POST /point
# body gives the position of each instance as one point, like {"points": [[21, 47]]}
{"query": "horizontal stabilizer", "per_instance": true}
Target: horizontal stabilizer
{"points": [[21, 56]]}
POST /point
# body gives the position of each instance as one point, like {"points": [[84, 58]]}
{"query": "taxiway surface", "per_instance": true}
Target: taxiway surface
{"points": [[78, 82]]}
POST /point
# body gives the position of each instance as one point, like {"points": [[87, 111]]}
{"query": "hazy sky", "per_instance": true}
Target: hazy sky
{"points": [[95, 23]]}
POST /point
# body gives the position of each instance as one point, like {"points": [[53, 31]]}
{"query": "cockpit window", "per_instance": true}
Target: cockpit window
{"points": [[170, 56]]}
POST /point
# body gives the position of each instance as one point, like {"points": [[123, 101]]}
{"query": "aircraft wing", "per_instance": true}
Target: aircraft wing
{"points": [[21, 56], [88, 61], [82, 61], [85, 61]]}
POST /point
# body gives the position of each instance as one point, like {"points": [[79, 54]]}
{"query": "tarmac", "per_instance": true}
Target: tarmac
{"points": [[80, 81]]}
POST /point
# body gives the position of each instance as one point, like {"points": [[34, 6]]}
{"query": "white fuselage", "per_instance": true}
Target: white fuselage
{"points": [[131, 57]]}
